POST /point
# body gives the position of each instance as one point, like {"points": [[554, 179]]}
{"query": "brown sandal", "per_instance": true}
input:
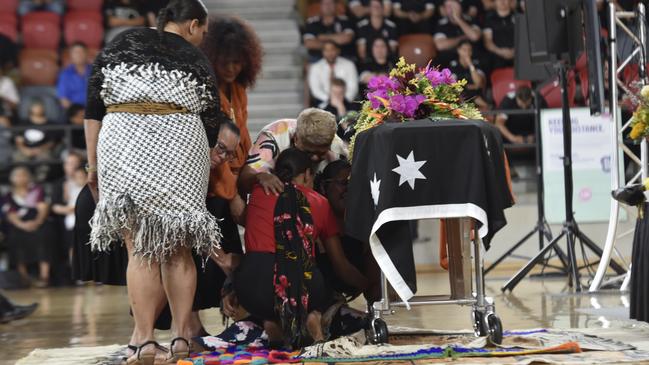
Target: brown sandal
{"points": [[174, 356]]}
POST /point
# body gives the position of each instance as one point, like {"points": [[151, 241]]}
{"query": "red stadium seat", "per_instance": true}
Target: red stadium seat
{"points": [[65, 56], [9, 25], [41, 30], [583, 77], [504, 84], [551, 92], [39, 67], [84, 27], [9, 6], [84, 14], [417, 48], [84, 4]]}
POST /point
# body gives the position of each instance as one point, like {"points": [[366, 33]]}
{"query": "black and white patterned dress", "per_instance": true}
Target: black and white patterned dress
{"points": [[153, 170]]}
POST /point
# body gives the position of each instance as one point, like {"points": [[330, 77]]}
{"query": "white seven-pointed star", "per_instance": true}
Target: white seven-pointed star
{"points": [[408, 170], [375, 186]]}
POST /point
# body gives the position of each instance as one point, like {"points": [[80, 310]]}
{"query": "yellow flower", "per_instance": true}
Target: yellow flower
{"points": [[644, 92], [637, 130]]}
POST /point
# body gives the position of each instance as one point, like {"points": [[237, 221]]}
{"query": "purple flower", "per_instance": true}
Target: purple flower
{"points": [[382, 82], [436, 77], [406, 105], [376, 103]]}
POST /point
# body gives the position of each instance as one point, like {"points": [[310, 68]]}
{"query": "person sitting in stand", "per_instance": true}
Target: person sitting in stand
{"points": [[75, 114], [467, 68], [73, 80], [498, 35], [518, 128], [65, 196], [332, 183], [379, 63], [26, 212], [375, 26], [314, 132], [331, 66], [413, 16], [473, 8], [122, 15], [35, 144], [9, 97], [362, 8], [338, 105], [452, 28], [28, 6], [328, 27], [278, 279]]}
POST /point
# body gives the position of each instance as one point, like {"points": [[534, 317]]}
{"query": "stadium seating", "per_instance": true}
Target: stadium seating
{"points": [[314, 9], [41, 30], [417, 48], [84, 5], [551, 92], [38, 67], [9, 25], [84, 26], [503, 84], [8, 6]]}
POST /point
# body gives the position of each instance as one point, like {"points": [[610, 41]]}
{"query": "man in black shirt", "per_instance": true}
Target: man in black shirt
{"points": [[499, 35], [518, 128], [413, 16], [376, 26], [328, 27], [453, 28]]}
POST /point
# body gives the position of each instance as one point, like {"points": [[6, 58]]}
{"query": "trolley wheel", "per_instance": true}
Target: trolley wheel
{"points": [[479, 324], [495, 329], [379, 331]]}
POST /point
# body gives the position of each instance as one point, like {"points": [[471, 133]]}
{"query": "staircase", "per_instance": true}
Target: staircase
{"points": [[278, 93]]}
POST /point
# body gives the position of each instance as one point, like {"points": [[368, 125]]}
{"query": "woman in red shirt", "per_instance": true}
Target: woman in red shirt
{"points": [[278, 280]]}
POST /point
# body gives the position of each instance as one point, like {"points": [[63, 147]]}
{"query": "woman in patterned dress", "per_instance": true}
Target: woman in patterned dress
{"points": [[152, 115]]}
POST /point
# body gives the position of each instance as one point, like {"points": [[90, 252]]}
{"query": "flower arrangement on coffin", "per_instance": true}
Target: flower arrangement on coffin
{"points": [[408, 94], [640, 120]]}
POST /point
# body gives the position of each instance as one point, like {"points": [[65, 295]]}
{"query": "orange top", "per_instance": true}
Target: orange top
{"points": [[223, 179]]}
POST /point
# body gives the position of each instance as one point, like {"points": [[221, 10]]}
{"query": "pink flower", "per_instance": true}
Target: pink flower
{"points": [[406, 105], [382, 82], [436, 77]]}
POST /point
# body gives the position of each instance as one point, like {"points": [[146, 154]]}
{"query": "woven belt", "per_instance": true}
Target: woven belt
{"points": [[147, 108]]}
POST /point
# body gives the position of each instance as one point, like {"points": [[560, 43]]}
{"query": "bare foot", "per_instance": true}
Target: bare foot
{"points": [[314, 326]]}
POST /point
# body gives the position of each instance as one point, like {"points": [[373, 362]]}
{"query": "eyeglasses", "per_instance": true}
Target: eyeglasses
{"points": [[223, 151]]}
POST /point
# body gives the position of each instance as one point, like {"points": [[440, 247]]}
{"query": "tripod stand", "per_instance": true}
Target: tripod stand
{"points": [[570, 228], [541, 227]]}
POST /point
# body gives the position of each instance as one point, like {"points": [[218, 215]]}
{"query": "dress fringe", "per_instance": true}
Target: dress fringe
{"points": [[155, 236]]}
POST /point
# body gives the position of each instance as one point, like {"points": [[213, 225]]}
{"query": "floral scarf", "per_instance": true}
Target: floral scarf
{"points": [[294, 262]]}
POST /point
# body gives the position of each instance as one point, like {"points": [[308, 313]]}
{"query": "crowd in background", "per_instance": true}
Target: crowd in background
{"points": [[346, 45]]}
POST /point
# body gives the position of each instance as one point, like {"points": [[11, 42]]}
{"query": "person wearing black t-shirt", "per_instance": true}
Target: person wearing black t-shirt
{"points": [[34, 143], [328, 27], [466, 67], [518, 128], [413, 16], [453, 28], [379, 62], [499, 35], [376, 26]]}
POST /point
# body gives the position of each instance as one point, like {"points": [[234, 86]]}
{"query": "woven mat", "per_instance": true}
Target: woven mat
{"points": [[519, 347]]}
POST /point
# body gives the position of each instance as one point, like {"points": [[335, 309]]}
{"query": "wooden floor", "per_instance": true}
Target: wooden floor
{"points": [[98, 315]]}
